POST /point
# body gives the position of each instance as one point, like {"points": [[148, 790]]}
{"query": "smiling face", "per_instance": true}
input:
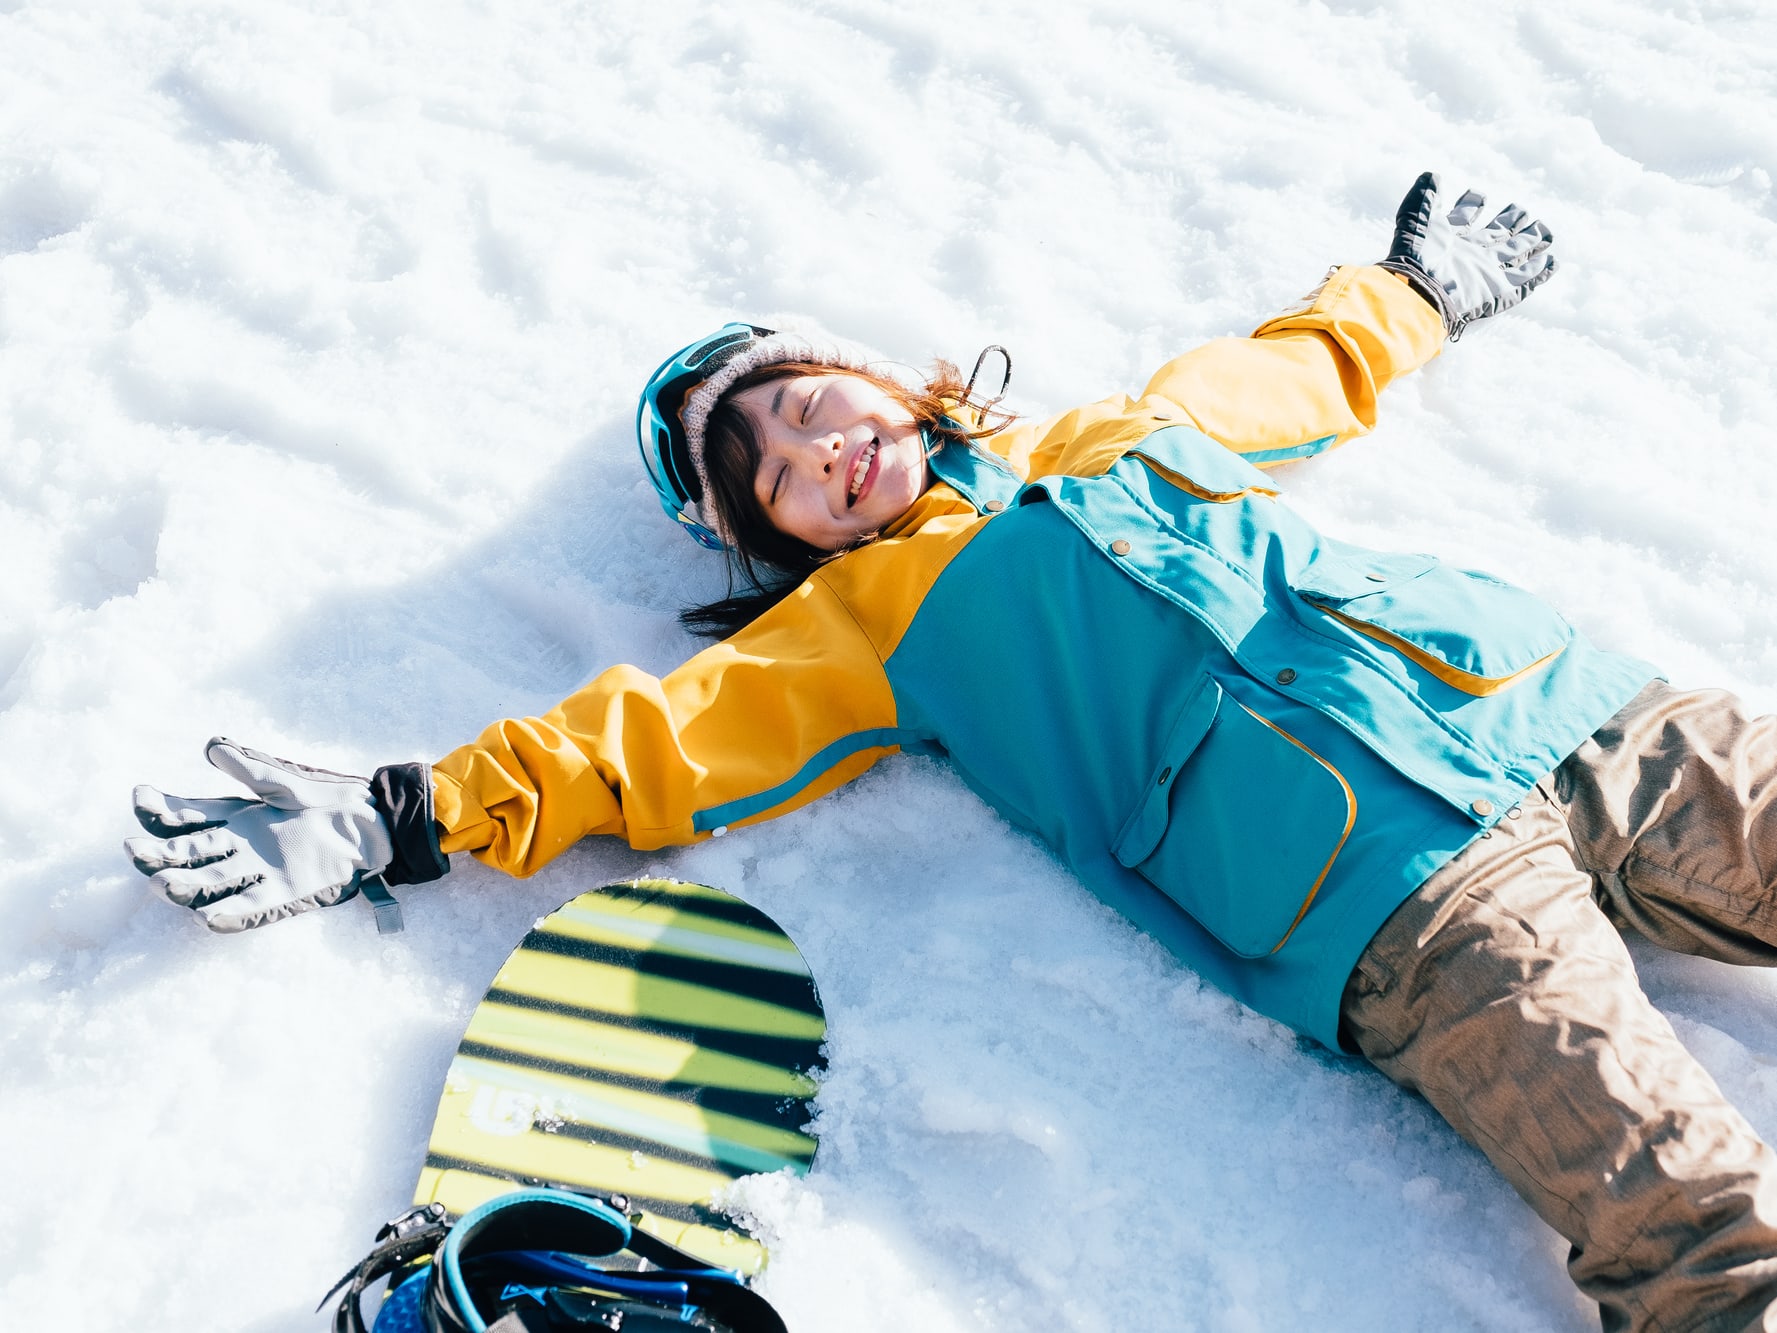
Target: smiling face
{"points": [[840, 457]]}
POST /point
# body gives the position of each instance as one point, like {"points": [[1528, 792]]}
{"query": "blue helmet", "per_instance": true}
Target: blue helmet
{"points": [[667, 447]]}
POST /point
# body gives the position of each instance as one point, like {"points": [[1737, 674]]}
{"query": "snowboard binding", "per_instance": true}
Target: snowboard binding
{"points": [[529, 1262]]}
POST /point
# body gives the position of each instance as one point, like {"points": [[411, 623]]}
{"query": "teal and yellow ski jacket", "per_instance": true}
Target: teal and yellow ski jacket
{"points": [[1251, 739]]}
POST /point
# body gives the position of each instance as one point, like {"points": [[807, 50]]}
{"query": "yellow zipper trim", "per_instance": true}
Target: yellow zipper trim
{"points": [[1190, 487], [1455, 677], [1350, 822]]}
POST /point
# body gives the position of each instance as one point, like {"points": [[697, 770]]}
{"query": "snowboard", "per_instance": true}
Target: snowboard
{"points": [[652, 1039]]}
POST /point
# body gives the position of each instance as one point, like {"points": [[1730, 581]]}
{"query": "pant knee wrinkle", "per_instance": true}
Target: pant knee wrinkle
{"points": [[1752, 907]]}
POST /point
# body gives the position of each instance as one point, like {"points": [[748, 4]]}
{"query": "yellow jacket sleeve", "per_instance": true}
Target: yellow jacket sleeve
{"points": [[1305, 376], [763, 722], [1302, 383]]}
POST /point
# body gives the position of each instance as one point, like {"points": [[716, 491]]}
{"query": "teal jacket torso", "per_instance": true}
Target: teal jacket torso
{"points": [[1215, 716]]}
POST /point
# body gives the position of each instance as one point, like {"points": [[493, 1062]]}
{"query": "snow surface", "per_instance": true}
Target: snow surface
{"points": [[320, 329]]}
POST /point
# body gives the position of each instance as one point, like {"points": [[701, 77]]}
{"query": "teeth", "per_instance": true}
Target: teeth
{"points": [[863, 466]]}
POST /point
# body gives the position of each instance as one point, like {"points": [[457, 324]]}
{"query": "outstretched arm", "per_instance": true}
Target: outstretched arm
{"points": [[785, 711], [1301, 384], [1309, 380], [766, 721]]}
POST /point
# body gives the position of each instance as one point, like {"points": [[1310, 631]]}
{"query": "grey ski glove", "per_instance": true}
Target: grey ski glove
{"points": [[1467, 270], [309, 838]]}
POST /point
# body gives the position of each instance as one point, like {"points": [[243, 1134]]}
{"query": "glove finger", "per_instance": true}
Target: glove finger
{"points": [[1541, 275], [196, 886], [1540, 235], [281, 782], [188, 851], [166, 816], [1511, 218], [1529, 239], [1513, 248], [261, 904], [1523, 280], [1467, 209]]}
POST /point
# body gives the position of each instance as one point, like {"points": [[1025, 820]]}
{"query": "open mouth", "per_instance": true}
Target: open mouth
{"points": [[860, 471]]}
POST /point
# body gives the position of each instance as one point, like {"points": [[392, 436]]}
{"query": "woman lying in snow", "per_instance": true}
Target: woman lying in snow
{"points": [[1404, 808]]}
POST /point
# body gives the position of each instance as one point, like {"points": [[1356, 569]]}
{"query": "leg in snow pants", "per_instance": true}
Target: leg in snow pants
{"points": [[1502, 992]]}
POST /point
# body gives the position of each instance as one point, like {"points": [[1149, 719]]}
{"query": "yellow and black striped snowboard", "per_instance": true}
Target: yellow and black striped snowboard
{"points": [[653, 1039]]}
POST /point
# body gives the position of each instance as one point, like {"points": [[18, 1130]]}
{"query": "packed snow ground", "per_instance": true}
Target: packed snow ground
{"points": [[320, 330]]}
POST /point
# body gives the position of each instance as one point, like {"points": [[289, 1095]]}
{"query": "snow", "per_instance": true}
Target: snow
{"points": [[320, 330]]}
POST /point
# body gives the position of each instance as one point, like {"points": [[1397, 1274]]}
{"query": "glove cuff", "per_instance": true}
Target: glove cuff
{"points": [[402, 794], [1427, 287]]}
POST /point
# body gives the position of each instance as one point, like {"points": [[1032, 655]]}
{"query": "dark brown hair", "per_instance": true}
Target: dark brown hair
{"points": [[765, 565]]}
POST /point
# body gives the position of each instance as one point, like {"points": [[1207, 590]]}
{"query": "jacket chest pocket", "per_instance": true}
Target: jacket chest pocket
{"points": [[1240, 823], [1469, 630]]}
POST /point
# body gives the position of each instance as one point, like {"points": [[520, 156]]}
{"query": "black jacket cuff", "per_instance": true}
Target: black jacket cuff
{"points": [[402, 794]]}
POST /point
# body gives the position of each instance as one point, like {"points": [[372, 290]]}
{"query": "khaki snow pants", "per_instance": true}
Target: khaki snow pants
{"points": [[1502, 992]]}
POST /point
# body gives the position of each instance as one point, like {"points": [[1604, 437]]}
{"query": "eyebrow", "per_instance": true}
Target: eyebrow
{"points": [[777, 399]]}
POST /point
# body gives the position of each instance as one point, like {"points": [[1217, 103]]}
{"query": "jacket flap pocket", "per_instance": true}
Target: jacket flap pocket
{"points": [[1339, 576], [1195, 463], [1146, 825], [1244, 831], [1471, 631]]}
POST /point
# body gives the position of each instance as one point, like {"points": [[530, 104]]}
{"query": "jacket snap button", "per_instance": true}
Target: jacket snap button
{"points": [[1164, 774], [1286, 676], [994, 506], [1482, 807], [1120, 547]]}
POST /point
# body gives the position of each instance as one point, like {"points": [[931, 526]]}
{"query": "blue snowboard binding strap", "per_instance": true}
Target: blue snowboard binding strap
{"points": [[527, 1262]]}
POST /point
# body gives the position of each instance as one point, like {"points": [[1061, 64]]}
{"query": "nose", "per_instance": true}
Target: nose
{"points": [[830, 448]]}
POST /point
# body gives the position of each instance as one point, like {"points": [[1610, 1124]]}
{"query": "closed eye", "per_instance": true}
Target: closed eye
{"points": [[777, 483], [808, 405]]}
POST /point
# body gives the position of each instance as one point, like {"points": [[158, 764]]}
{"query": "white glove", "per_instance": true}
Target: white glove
{"points": [[1467, 272], [309, 840]]}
